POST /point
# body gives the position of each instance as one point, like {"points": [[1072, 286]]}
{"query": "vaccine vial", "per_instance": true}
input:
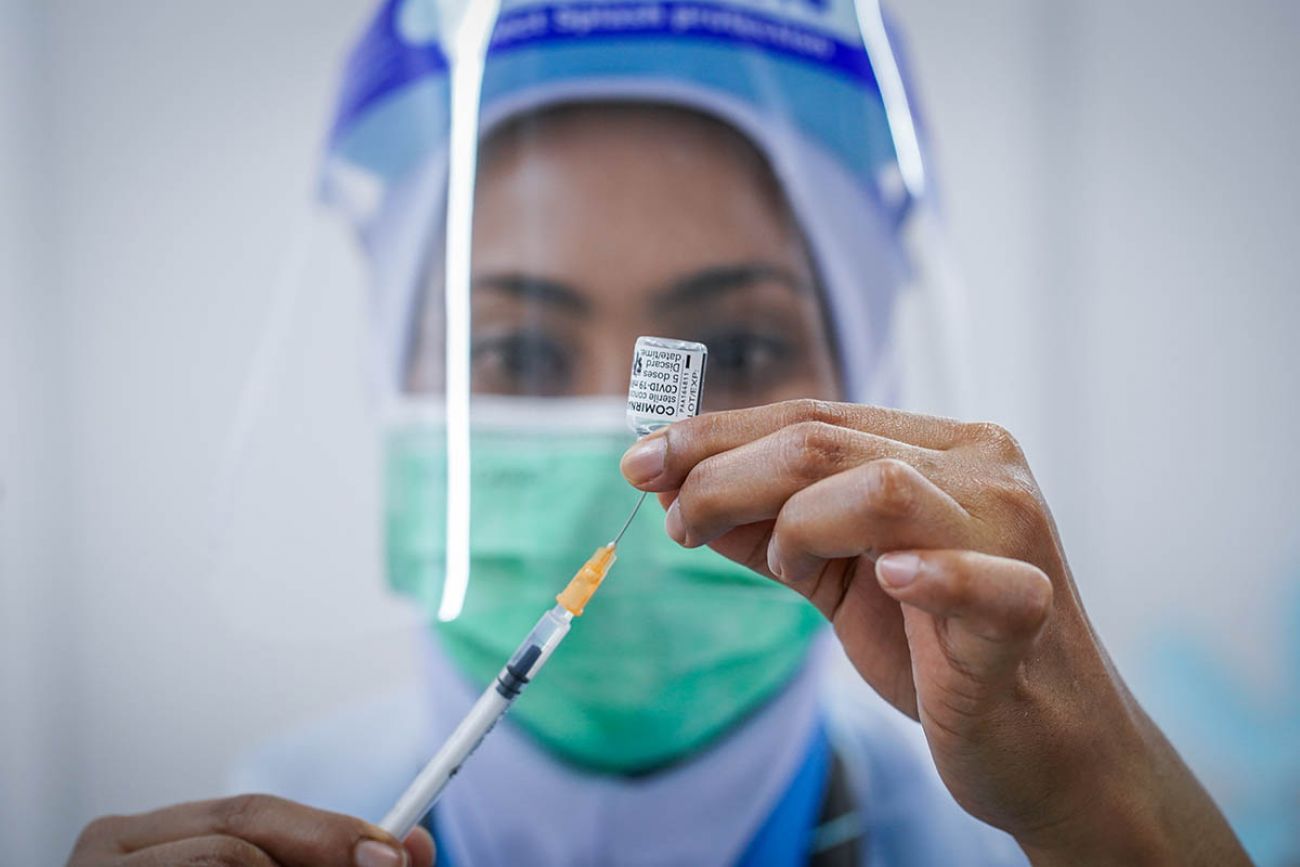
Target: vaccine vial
{"points": [[667, 378]]}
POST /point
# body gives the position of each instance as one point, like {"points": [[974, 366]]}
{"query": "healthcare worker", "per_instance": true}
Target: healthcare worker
{"points": [[729, 173]]}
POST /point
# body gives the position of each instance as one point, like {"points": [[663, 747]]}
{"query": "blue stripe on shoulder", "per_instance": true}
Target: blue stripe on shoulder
{"points": [[785, 839]]}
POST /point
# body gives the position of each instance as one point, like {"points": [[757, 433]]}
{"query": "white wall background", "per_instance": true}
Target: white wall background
{"points": [[1122, 191], [34, 665]]}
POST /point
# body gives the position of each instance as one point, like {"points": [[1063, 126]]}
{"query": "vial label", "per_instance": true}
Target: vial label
{"points": [[667, 376]]}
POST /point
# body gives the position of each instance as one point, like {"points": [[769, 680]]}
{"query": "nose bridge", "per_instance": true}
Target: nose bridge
{"points": [[610, 356], [615, 354]]}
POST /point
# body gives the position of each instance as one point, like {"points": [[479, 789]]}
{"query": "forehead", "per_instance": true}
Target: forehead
{"points": [[626, 195]]}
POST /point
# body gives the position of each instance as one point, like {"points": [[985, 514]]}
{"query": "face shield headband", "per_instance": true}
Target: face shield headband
{"points": [[800, 86]]}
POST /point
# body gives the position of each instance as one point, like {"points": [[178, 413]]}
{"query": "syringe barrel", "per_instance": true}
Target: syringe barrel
{"points": [[533, 651], [524, 664], [424, 791]]}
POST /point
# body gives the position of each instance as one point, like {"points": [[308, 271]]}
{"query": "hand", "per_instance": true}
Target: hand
{"points": [[927, 545], [249, 830]]}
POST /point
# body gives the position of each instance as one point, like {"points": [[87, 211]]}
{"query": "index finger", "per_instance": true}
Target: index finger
{"points": [[293, 834], [661, 461]]}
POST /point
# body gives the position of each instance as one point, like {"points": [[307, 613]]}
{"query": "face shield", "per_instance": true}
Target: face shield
{"points": [[535, 186]]}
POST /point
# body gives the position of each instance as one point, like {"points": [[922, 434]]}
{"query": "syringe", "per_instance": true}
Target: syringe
{"points": [[524, 664]]}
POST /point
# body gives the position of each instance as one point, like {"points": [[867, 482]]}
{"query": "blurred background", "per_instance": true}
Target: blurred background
{"points": [[1122, 190]]}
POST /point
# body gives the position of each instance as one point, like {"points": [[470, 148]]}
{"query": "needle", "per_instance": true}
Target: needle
{"points": [[528, 658], [628, 522]]}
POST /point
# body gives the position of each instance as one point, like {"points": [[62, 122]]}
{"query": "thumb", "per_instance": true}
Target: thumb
{"points": [[419, 848], [992, 608]]}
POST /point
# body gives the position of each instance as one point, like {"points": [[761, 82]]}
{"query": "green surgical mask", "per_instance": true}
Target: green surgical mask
{"points": [[676, 648]]}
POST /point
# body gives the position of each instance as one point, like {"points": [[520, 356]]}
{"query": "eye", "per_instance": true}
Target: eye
{"points": [[747, 360], [521, 363]]}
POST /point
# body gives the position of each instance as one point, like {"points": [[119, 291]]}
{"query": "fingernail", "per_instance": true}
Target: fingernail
{"points": [[673, 524], [774, 557], [644, 461], [898, 570], [372, 853]]}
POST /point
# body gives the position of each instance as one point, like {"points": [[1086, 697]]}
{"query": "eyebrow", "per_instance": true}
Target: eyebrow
{"points": [[530, 288], [709, 283], [703, 285]]}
